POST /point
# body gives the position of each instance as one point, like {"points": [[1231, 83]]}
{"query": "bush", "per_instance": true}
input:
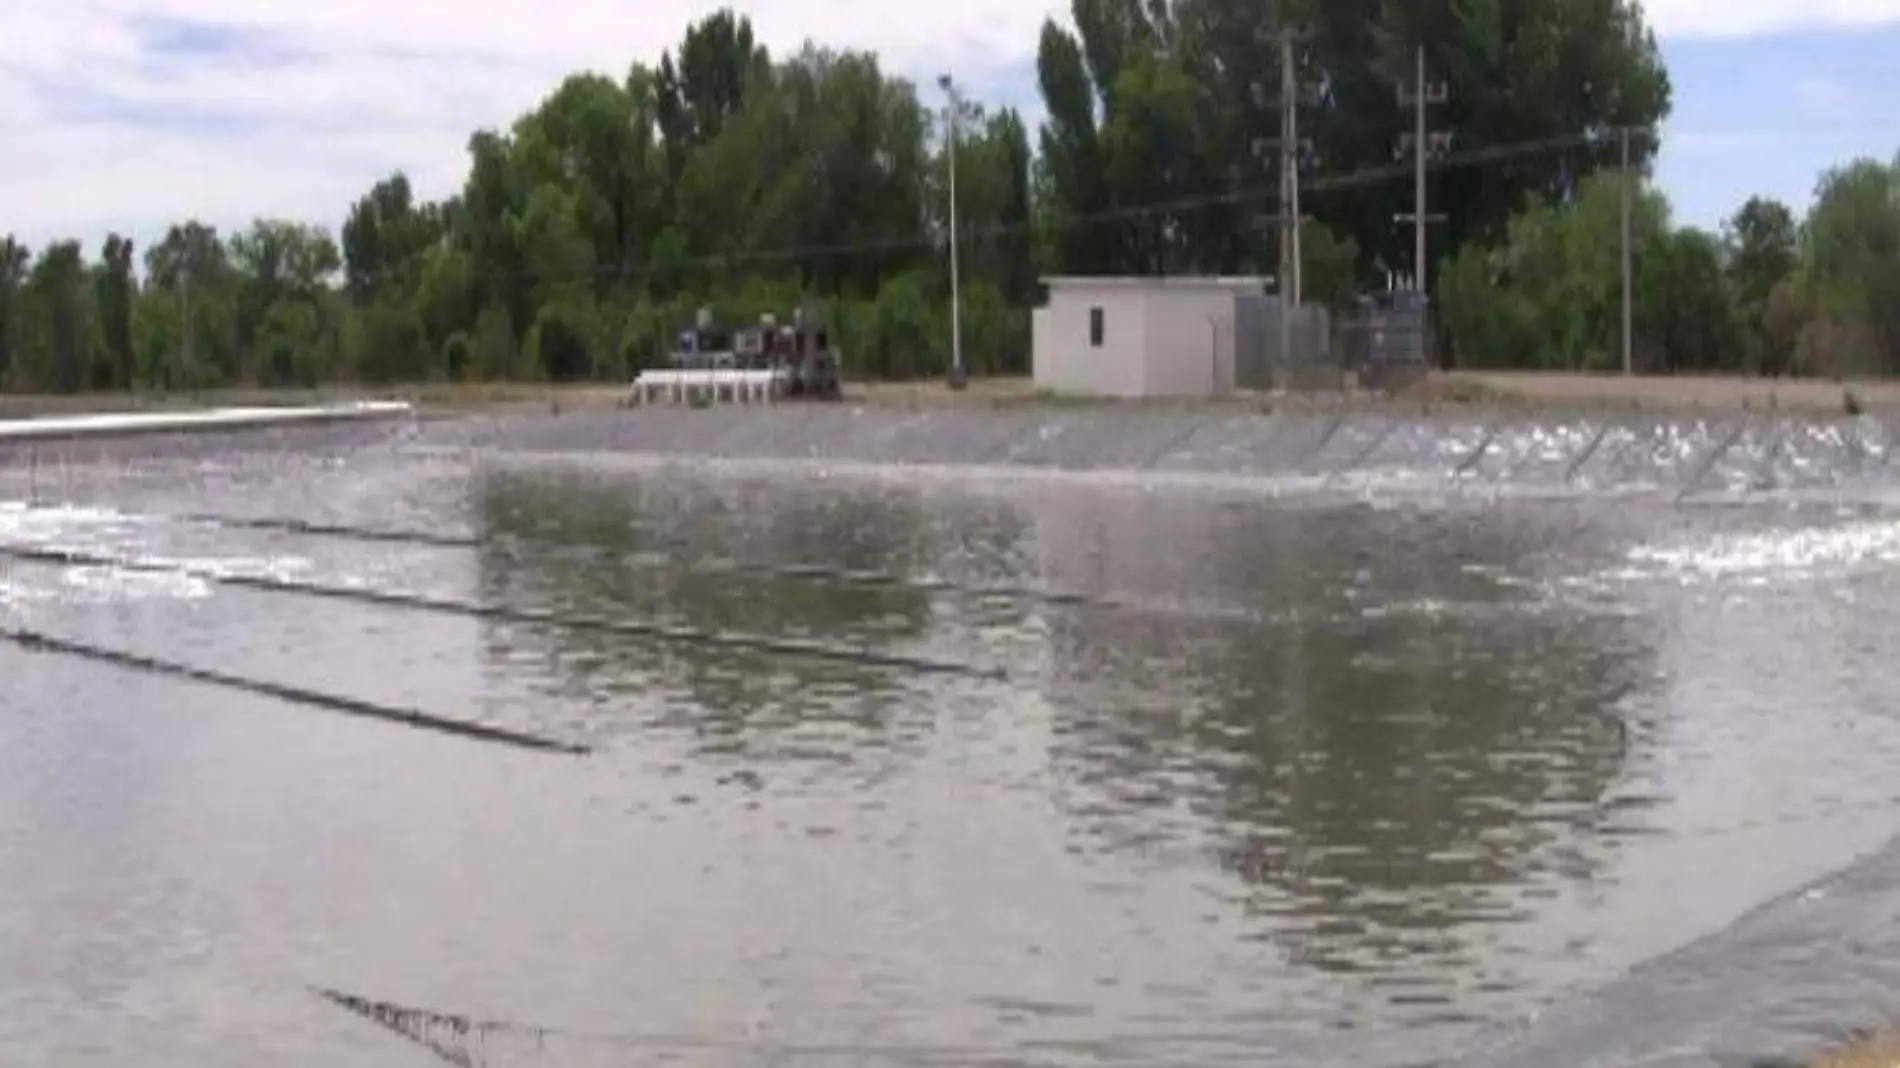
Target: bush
{"points": [[559, 346], [394, 345], [458, 357]]}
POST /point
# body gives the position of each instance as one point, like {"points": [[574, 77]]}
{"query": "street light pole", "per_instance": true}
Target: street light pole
{"points": [[957, 377], [1629, 362]]}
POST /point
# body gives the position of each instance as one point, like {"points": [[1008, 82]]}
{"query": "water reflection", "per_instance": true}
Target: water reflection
{"points": [[1297, 766], [592, 544], [1388, 740], [1400, 753]]}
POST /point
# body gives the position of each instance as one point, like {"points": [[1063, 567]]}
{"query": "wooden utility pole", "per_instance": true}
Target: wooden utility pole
{"points": [[1291, 282]]}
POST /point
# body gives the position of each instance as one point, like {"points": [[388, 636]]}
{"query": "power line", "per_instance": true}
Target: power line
{"points": [[1355, 179]]}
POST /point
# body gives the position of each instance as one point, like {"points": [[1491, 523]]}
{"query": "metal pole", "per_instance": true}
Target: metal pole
{"points": [[1288, 224], [1418, 192], [1628, 294], [1213, 355], [1289, 87], [957, 377], [184, 314]]}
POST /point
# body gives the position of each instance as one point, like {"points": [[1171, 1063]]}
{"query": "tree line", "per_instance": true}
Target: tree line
{"points": [[1770, 294], [587, 234]]}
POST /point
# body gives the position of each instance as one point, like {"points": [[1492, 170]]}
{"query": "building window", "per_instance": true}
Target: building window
{"points": [[1097, 328]]}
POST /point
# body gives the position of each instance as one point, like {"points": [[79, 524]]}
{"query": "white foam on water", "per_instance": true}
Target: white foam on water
{"points": [[1762, 557], [22, 518], [106, 532], [96, 584]]}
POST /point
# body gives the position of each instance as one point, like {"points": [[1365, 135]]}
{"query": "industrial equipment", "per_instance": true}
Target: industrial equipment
{"points": [[767, 362]]}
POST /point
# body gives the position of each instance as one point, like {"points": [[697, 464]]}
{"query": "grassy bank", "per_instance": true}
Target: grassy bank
{"points": [[1525, 391]]}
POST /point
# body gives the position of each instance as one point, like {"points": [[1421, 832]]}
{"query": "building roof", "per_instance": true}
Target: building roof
{"points": [[1178, 281]]}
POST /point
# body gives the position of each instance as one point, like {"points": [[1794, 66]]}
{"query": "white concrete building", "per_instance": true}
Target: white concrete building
{"points": [[1140, 337]]}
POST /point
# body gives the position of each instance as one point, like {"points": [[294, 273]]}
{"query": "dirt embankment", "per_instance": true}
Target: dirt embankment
{"points": [[1455, 390], [1873, 1051], [1677, 393]]}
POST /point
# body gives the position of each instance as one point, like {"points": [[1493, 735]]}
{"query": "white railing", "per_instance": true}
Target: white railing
{"points": [[713, 384]]}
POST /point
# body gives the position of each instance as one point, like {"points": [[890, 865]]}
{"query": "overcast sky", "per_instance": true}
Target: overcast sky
{"points": [[128, 114]]}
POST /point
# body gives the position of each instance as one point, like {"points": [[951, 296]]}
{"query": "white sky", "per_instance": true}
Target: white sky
{"points": [[96, 129]]}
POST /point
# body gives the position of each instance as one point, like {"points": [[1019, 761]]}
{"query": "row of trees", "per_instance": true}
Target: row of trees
{"points": [[582, 240], [1771, 294], [586, 235]]}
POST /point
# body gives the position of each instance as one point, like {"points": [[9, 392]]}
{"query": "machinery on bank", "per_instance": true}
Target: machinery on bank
{"points": [[757, 364]]}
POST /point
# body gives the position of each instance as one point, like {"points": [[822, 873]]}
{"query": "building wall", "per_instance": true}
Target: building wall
{"points": [[1064, 359], [1177, 336], [1253, 315], [1190, 344], [1044, 360]]}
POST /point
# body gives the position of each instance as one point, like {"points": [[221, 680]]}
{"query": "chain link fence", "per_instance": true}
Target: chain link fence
{"points": [[1382, 342]]}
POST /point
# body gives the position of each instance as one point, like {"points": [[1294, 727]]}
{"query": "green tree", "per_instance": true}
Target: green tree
{"points": [[282, 270], [1329, 263], [1565, 72], [559, 344], [1763, 243], [595, 138], [116, 289], [697, 94], [1688, 319], [492, 348], [191, 268], [15, 260], [590, 229], [1549, 294], [60, 336], [289, 344], [1851, 263], [384, 238], [393, 345]]}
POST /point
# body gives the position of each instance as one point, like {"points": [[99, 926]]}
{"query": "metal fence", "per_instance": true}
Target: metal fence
{"points": [[1386, 340], [1265, 358], [1383, 342]]}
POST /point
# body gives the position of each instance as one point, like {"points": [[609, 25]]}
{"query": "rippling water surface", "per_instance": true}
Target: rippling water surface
{"points": [[1355, 777]]}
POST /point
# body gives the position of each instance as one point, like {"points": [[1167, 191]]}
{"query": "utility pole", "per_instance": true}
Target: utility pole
{"points": [[1418, 195], [1629, 316], [1423, 145], [184, 316], [1289, 222], [1292, 152], [1290, 162], [957, 377]]}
